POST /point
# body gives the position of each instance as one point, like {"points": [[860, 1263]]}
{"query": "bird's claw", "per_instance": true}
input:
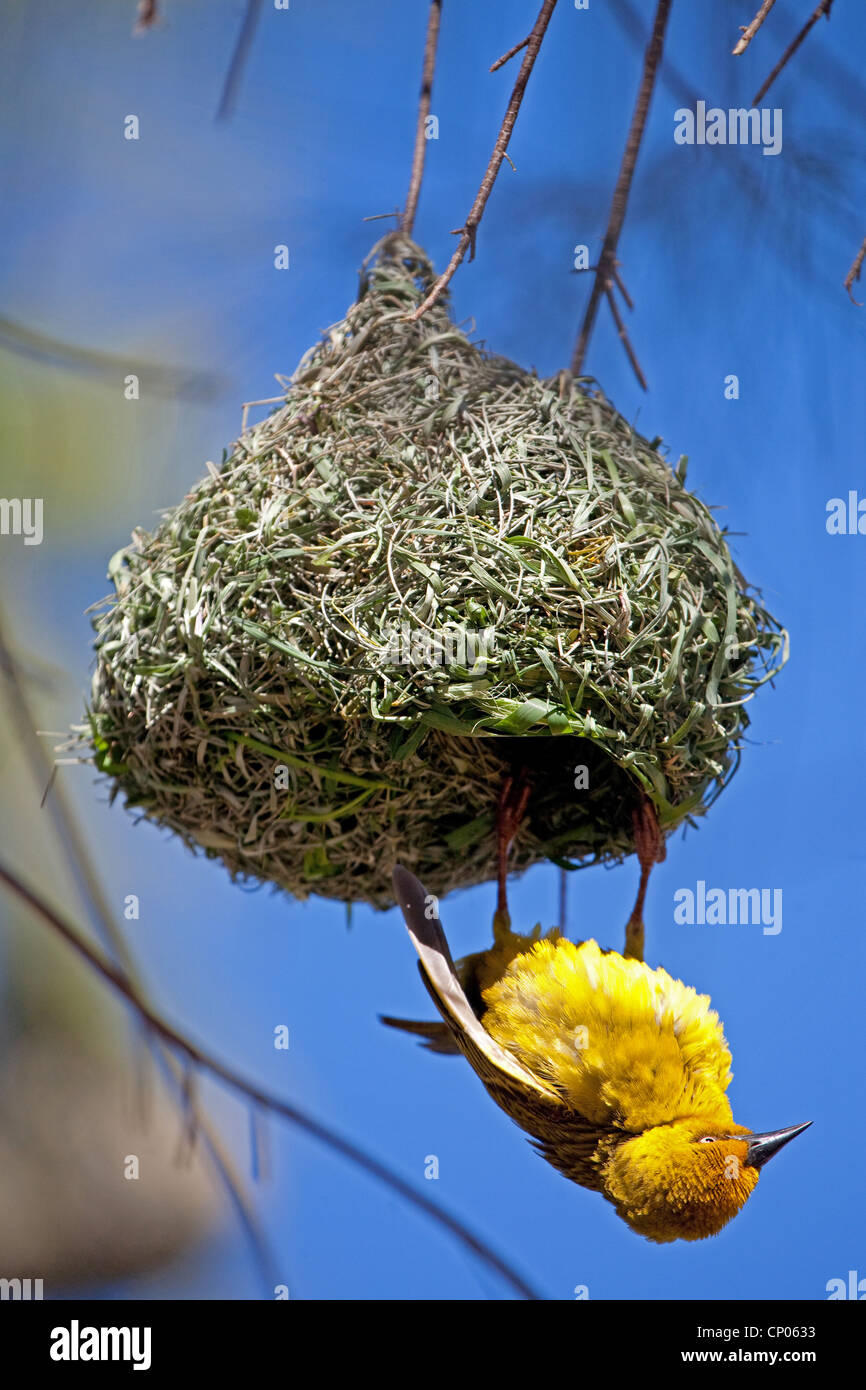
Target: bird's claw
{"points": [[510, 811]]}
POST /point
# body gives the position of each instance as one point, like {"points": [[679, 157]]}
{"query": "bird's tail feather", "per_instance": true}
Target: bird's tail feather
{"points": [[436, 1036]]}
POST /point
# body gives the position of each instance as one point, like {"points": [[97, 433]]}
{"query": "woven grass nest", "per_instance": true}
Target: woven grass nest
{"points": [[280, 677]]}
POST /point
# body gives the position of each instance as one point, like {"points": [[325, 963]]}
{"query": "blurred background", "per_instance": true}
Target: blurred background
{"points": [[156, 256]]}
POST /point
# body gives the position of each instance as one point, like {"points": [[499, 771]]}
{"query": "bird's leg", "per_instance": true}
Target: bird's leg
{"points": [[650, 846], [510, 811]]}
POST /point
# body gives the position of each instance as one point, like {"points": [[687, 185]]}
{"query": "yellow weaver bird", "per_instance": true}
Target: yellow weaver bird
{"points": [[617, 1071]]}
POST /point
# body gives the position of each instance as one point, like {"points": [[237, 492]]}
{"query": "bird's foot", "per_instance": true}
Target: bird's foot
{"points": [[650, 848], [649, 842], [510, 812]]}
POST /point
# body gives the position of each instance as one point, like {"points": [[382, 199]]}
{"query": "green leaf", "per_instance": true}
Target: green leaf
{"points": [[523, 716], [409, 745], [317, 864], [470, 833]]}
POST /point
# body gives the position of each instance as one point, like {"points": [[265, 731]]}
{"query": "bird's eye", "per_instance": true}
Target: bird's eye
{"points": [[707, 1139]]}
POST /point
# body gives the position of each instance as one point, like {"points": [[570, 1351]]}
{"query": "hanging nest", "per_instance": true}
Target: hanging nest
{"points": [[428, 566]]}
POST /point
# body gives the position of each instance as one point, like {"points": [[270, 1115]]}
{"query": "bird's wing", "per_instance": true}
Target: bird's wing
{"points": [[494, 1065], [438, 1037]]}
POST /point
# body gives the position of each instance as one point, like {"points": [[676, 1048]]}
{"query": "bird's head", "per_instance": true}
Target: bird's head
{"points": [[687, 1179]]}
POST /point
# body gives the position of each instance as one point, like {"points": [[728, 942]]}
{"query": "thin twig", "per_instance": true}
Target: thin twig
{"points": [[623, 336], [118, 979], [628, 17], [506, 57], [90, 889], [750, 30], [161, 378], [854, 274], [146, 16], [469, 229], [620, 286], [823, 9], [607, 259], [239, 59], [407, 221]]}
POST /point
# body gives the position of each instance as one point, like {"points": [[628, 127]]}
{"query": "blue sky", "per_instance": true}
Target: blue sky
{"points": [[162, 249]]}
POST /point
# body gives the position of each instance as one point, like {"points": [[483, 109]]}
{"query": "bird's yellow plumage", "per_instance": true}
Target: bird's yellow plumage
{"points": [[614, 1036], [618, 1072]]}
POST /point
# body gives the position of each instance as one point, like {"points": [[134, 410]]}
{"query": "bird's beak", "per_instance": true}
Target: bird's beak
{"points": [[763, 1146]]}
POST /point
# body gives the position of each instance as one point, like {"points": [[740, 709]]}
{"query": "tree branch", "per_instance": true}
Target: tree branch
{"points": [[563, 899], [750, 30], [607, 260], [90, 889], [162, 379], [194, 1055], [506, 57], [623, 336], [854, 274], [620, 286], [146, 16], [469, 229], [823, 9], [239, 59], [407, 221]]}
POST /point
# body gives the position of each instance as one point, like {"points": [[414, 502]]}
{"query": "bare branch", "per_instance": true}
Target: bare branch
{"points": [[607, 259], [146, 16], [239, 59], [468, 231], [194, 1055], [624, 338], [92, 894], [163, 380], [620, 286], [506, 57], [823, 9], [408, 219], [750, 30], [854, 274]]}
